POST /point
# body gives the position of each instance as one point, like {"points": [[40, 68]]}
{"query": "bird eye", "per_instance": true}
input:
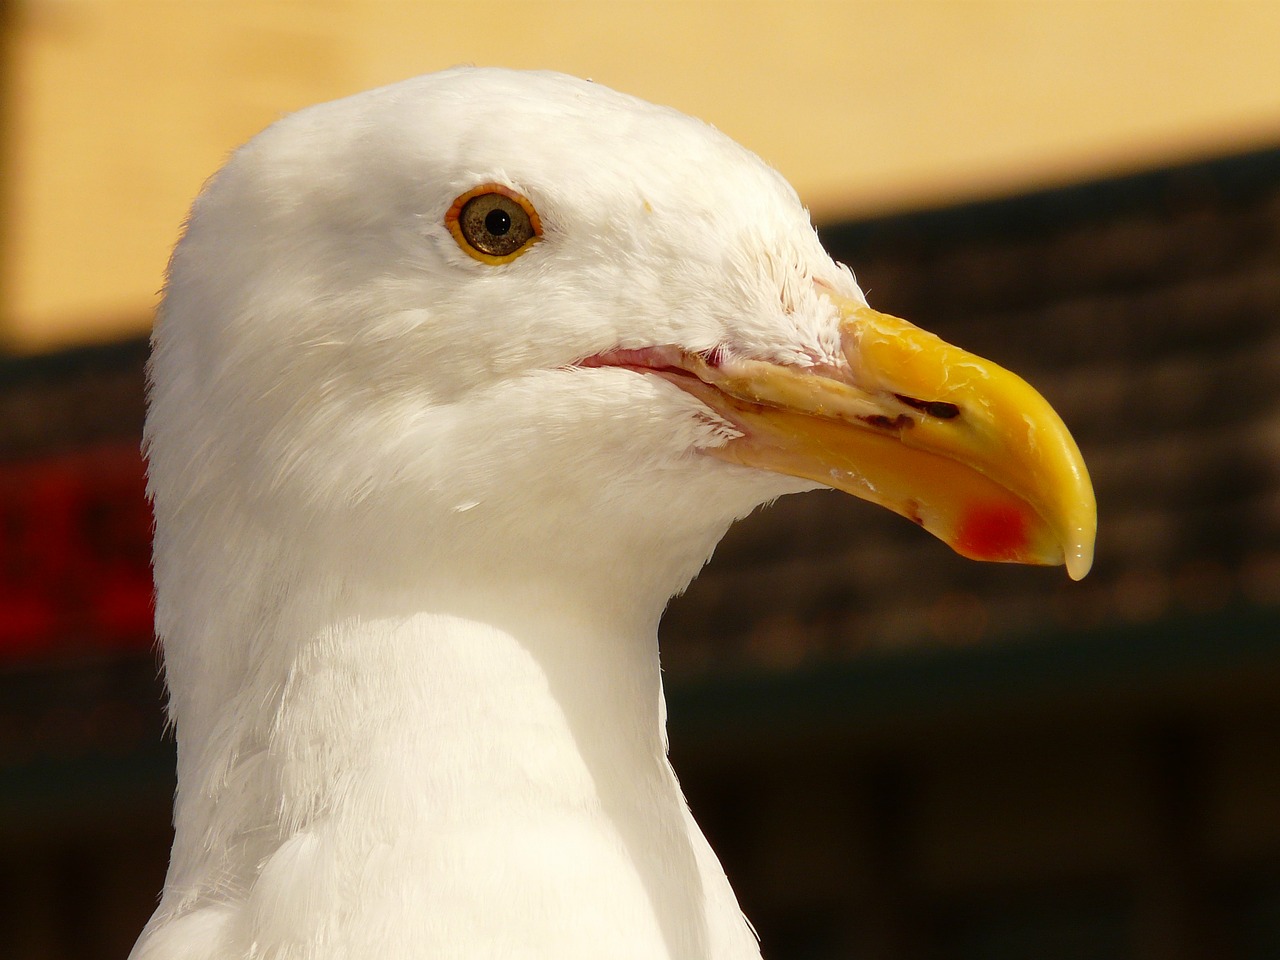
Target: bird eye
{"points": [[493, 223]]}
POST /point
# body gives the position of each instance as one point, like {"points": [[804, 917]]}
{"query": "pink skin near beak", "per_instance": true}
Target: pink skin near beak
{"points": [[959, 445]]}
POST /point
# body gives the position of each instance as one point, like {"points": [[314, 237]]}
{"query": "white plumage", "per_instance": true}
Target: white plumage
{"points": [[411, 550]]}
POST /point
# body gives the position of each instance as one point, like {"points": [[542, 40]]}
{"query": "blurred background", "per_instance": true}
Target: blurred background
{"points": [[898, 753]]}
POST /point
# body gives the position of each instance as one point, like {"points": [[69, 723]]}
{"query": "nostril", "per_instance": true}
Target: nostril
{"points": [[940, 409]]}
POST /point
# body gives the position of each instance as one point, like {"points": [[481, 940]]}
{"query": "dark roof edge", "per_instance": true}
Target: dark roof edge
{"points": [[72, 361], [1233, 177]]}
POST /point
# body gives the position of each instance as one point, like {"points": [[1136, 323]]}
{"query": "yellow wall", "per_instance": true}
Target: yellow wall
{"points": [[118, 109]]}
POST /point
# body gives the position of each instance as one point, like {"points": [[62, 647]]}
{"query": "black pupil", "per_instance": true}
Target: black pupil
{"points": [[497, 222]]}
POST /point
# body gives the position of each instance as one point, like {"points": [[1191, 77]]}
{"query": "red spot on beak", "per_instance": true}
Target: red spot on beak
{"points": [[993, 532]]}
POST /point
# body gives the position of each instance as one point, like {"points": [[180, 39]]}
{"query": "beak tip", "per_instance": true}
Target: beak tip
{"points": [[1079, 561]]}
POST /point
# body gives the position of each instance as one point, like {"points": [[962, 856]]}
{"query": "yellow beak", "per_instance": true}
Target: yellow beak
{"points": [[959, 445]]}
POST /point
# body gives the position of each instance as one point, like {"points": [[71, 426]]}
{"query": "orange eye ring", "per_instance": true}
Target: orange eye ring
{"points": [[493, 223]]}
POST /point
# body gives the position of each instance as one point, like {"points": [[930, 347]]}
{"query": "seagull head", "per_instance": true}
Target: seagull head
{"points": [[521, 307]]}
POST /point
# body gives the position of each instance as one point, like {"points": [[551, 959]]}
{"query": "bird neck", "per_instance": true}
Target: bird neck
{"points": [[465, 710], [453, 700], [429, 727]]}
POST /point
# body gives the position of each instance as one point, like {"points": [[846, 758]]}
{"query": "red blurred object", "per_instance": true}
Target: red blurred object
{"points": [[75, 555]]}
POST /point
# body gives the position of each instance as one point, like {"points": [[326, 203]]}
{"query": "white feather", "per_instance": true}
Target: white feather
{"points": [[410, 561]]}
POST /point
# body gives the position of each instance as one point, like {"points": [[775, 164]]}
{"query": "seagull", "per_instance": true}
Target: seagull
{"points": [[454, 384]]}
